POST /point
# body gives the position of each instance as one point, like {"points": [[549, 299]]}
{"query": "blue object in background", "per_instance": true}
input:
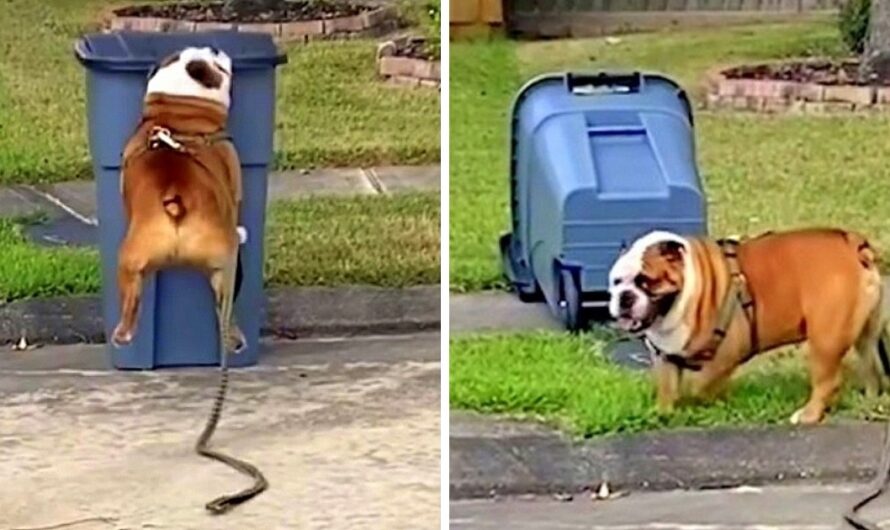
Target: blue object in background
{"points": [[596, 161], [177, 322]]}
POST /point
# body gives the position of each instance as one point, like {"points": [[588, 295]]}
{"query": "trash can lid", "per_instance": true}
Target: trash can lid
{"points": [[140, 50]]}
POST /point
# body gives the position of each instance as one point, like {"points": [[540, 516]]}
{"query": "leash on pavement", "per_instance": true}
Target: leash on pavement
{"points": [[882, 481], [225, 503]]}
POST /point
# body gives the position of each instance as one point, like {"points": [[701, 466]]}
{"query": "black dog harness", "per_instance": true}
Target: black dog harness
{"points": [[738, 296]]}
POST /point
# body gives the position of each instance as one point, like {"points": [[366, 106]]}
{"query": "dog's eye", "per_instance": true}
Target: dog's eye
{"points": [[642, 282], [616, 281]]}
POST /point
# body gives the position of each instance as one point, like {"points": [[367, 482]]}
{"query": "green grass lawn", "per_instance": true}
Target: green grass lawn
{"points": [[331, 109], [28, 271], [566, 381], [760, 172], [386, 241], [390, 242]]}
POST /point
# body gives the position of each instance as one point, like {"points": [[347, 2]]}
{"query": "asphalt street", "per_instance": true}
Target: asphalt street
{"points": [[798, 507]]}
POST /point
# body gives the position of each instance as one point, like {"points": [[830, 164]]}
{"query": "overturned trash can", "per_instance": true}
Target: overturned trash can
{"points": [[596, 161], [177, 322]]}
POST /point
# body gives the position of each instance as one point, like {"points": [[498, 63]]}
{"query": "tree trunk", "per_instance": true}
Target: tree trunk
{"points": [[876, 59], [252, 7]]}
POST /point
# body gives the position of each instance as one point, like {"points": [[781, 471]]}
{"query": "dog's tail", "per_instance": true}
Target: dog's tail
{"points": [[868, 258], [173, 205], [873, 344], [873, 347]]}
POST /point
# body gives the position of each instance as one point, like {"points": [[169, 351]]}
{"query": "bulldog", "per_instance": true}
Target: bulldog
{"points": [[181, 186], [706, 307]]}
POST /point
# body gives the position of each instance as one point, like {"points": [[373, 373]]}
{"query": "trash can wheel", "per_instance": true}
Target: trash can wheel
{"points": [[572, 315], [529, 296]]}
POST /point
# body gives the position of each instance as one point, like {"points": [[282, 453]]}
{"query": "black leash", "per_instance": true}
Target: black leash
{"points": [[882, 481], [880, 486], [225, 503]]}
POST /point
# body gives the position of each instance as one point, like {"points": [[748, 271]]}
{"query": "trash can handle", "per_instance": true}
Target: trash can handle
{"points": [[603, 83]]}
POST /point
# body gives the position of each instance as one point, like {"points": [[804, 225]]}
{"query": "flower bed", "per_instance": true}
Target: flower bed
{"points": [[408, 61], [298, 21], [815, 86]]}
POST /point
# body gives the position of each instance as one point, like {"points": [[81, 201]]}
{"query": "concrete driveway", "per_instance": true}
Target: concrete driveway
{"points": [[347, 432]]}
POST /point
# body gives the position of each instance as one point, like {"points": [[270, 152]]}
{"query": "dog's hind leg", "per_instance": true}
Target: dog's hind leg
{"points": [[824, 358], [868, 346], [131, 268], [871, 344], [222, 281]]}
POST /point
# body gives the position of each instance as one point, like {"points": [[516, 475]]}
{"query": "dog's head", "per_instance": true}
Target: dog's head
{"points": [[198, 72], [645, 281]]}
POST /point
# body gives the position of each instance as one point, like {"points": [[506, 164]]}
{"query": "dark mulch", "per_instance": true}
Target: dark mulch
{"points": [[416, 48], [820, 72], [292, 11]]}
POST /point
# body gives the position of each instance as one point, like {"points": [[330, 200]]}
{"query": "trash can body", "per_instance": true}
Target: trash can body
{"points": [[177, 322], [597, 160]]}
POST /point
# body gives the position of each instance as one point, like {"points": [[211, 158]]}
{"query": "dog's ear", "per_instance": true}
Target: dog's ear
{"points": [[672, 250], [166, 61], [623, 248]]}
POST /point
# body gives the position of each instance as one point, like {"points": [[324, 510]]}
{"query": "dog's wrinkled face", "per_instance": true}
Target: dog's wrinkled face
{"points": [[199, 72], [644, 282]]}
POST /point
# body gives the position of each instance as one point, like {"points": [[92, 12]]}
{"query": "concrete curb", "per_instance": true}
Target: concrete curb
{"points": [[290, 313], [511, 458]]}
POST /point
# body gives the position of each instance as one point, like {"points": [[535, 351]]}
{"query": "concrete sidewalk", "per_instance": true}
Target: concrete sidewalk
{"points": [[498, 311], [78, 198], [803, 507], [347, 432]]}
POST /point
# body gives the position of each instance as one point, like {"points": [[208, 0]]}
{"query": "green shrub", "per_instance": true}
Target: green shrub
{"points": [[426, 16], [853, 23], [431, 28]]}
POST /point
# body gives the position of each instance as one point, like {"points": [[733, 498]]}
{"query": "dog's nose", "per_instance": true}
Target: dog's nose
{"points": [[626, 300]]}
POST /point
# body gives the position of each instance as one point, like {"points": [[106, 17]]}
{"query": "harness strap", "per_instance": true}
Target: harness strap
{"points": [[159, 137], [738, 295], [164, 138]]}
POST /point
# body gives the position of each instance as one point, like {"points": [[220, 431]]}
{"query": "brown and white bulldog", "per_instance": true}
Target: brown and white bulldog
{"points": [[819, 286], [181, 185]]}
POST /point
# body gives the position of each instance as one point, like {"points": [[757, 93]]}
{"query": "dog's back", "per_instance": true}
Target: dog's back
{"points": [[205, 181]]}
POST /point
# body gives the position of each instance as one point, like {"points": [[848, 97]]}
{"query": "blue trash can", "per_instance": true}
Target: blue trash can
{"points": [[596, 161], [177, 322]]}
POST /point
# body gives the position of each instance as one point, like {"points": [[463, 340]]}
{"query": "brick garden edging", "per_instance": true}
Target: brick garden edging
{"points": [[408, 71], [368, 23], [773, 96]]}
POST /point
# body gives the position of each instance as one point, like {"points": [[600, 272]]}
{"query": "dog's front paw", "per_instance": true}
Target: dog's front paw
{"points": [[121, 336], [806, 416]]}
